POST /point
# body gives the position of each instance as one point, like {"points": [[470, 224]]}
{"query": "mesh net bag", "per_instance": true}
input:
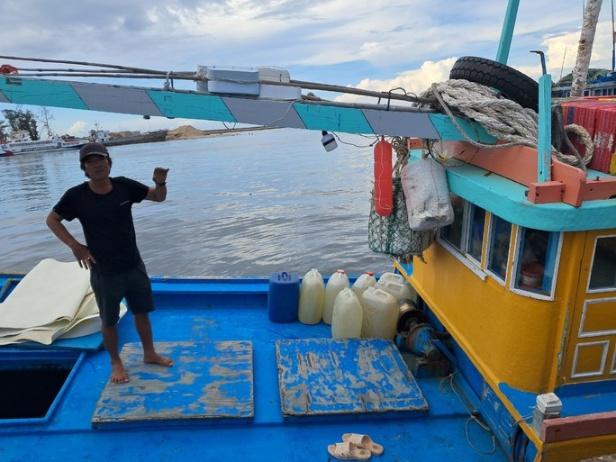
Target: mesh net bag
{"points": [[391, 235]]}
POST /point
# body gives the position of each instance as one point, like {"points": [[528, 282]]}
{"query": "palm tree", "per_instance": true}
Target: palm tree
{"points": [[587, 36]]}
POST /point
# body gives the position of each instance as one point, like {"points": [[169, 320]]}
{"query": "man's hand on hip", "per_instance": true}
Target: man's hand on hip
{"points": [[83, 256]]}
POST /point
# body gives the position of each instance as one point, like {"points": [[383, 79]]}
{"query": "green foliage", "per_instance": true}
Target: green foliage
{"points": [[593, 73], [22, 120]]}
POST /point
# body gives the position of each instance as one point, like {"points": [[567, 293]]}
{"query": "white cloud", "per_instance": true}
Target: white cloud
{"points": [[413, 81], [562, 49]]}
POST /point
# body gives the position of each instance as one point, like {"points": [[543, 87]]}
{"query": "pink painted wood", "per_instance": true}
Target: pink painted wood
{"points": [[519, 164], [584, 426], [544, 193]]}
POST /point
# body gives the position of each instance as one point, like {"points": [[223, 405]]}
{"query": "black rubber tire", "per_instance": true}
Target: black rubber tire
{"points": [[511, 83]]}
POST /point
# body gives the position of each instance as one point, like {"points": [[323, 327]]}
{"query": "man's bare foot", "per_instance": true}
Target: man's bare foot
{"points": [[118, 373], [155, 358]]}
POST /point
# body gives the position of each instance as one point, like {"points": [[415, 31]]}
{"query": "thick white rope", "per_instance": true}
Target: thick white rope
{"points": [[502, 118]]}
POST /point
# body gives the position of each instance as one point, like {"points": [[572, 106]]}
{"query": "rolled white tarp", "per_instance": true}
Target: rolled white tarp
{"points": [[53, 300]]}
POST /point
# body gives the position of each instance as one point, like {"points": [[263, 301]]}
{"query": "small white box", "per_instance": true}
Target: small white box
{"points": [[279, 92], [273, 74], [549, 404], [233, 74], [220, 86]]}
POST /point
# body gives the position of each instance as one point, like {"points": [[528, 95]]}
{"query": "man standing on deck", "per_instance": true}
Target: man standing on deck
{"points": [[103, 206]]}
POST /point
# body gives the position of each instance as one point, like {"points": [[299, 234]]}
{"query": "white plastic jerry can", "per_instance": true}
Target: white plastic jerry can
{"points": [[380, 314], [363, 282], [391, 277], [348, 315], [338, 281], [400, 290], [311, 298]]}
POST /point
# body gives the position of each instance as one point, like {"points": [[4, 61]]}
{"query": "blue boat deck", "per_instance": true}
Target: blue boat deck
{"points": [[217, 311]]}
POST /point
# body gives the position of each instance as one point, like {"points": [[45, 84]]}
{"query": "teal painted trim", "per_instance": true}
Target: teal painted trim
{"points": [[544, 145], [191, 105], [334, 118], [507, 31], [41, 93], [449, 132], [507, 200]]}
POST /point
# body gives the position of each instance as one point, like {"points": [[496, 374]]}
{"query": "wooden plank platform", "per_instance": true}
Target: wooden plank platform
{"points": [[327, 377], [208, 381]]}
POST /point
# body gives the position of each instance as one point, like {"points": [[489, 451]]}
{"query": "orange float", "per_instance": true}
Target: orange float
{"points": [[383, 186]]}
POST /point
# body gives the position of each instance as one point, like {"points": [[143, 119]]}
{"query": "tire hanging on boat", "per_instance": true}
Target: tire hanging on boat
{"points": [[383, 186], [512, 83]]}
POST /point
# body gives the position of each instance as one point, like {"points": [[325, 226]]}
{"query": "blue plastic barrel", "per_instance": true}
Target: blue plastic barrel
{"points": [[283, 297]]}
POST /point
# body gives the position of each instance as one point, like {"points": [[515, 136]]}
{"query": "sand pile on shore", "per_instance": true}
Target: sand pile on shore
{"points": [[185, 131]]}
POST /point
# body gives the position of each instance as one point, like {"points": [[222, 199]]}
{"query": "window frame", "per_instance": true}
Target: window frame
{"points": [[514, 266], [488, 246], [592, 264], [462, 253]]}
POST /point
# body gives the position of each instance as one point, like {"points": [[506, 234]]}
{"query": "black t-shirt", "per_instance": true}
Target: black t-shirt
{"points": [[107, 221]]}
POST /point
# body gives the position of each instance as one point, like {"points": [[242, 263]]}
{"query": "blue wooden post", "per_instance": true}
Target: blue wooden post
{"points": [[507, 32], [544, 144]]}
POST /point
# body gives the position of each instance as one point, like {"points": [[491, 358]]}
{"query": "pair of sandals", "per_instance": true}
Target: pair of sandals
{"points": [[355, 446]]}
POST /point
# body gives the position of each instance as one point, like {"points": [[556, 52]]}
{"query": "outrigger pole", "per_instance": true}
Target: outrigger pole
{"points": [[507, 32]]}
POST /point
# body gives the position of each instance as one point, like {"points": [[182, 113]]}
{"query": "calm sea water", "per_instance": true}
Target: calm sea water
{"points": [[241, 205]]}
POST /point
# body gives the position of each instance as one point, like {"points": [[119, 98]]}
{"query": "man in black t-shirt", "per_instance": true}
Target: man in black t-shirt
{"points": [[103, 206]]}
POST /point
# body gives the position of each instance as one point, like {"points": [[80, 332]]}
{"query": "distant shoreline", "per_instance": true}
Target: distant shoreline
{"points": [[184, 132]]}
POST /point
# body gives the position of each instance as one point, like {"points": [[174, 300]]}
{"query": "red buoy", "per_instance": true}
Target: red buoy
{"points": [[383, 187]]}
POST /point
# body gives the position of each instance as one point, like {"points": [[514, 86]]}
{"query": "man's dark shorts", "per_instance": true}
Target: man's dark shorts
{"points": [[110, 289]]}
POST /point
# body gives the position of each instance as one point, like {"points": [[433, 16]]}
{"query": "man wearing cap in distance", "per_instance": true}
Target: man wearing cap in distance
{"points": [[103, 206]]}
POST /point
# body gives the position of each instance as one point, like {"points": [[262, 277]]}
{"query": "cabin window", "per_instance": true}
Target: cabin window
{"points": [[465, 234], [603, 273], [475, 236], [536, 261], [453, 233], [500, 237]]}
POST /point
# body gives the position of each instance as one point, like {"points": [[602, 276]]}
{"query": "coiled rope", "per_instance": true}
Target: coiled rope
{"points": [[502, 118]]}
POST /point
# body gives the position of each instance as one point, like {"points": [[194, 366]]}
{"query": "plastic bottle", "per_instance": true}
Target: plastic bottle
{"points": [[348, 315], [311, 297], [363, 282], [380, 314], [336, 283]]}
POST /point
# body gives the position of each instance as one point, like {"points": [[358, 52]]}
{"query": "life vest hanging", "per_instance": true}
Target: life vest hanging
{"points": [[383, 186]]}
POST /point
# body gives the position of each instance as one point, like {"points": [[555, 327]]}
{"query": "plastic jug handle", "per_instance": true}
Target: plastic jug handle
{"points": [[285, 276]]}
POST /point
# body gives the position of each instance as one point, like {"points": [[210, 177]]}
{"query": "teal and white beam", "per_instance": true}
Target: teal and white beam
{"points": [[308, 115]]}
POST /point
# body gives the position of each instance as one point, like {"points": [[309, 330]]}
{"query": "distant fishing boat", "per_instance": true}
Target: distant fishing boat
{"points": [[604, 85], [22, 144]]}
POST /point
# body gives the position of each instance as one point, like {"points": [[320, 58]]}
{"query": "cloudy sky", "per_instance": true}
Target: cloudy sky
{"points": [[378, 44]]}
